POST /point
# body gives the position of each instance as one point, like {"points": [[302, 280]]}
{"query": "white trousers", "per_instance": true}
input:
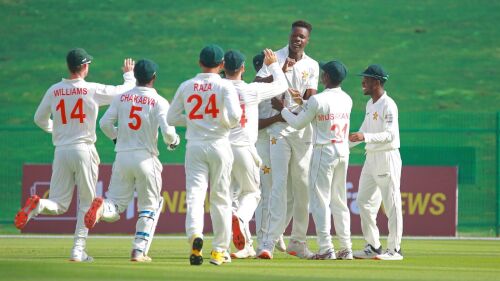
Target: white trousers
{"points": [[135, 171], [209, 161], [139, 171], [290, 158], [262, 211], [245, 180], [327, 183], [380, 182], [73, 165]]}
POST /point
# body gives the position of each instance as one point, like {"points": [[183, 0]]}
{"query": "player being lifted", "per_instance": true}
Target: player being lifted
{"points": [[139, 113], [290, 149], [73, 104], [329, 113], [209, 107], [245, 172]]}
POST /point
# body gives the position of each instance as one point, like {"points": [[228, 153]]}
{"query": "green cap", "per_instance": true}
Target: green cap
{"points": [[375, 71], [336, 70], [144, 70], [212, 55], [233, 60], [258, 61], [78, 57]]}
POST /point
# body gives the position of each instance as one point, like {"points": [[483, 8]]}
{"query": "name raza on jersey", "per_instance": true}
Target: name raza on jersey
{"points": [[138, 99], [202, 87], [70, 92]]}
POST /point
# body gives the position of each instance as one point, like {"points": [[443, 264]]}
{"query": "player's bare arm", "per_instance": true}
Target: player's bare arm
{"points": [[277, 104], [128, 65], [309, 93], [266, 122], [356, 137]]}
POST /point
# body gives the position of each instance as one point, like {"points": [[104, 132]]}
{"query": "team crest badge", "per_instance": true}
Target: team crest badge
{"points": [[305, 75]]}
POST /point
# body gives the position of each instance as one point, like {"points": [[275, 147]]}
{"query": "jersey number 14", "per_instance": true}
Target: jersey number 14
{"points": [[76, 112]]}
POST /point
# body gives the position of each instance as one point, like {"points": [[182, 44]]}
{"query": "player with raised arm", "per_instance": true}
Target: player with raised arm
{"points": [[245, 172], [290, 149], [381, 174], [329, 114], [209, 107], [73, 104], [139, 113]]}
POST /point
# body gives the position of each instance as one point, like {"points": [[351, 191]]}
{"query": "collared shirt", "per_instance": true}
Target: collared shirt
{"points": [[139, 113], [329, 113], [73, 105], [207, 105]]}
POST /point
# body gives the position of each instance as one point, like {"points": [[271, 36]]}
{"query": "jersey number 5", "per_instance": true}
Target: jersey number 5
{"points": [[134, 115], [76, 113], [211, 107]]}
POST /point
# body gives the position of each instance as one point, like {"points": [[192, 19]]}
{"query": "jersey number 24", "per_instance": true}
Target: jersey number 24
{"points": [[210, 109]]}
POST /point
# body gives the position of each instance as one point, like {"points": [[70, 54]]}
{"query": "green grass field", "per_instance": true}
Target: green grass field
{"points": [[46, 259], [442, 56]]}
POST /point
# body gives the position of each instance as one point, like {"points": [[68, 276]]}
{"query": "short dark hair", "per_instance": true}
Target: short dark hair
{"points": [[75, 68], [304, 24]]}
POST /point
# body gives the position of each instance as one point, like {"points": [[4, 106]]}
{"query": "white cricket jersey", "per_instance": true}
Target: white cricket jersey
{"points": [[380, 126], [302, 76], [74, 105], [250, 96], [207, 105], [329, 113], [139, 113]]}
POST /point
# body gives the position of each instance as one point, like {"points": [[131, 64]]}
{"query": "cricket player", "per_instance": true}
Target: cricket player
{"points": [[209, 107], [290, 149], [69, 112], [262, 145], [139, 113], [245, 173], [329, 114], [381, 173]]}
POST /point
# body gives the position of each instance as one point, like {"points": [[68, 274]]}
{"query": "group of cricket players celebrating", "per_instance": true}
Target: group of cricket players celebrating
{"points": [[273, 149]]}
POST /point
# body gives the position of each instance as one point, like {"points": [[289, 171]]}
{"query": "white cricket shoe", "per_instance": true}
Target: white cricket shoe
{"points": [[247, 252], [390, 255], [369, 252], [298, 249], [344, 254], [139, 256], [227, 257], [280, 244], [79, 255], [266, 251], [328, 255]]}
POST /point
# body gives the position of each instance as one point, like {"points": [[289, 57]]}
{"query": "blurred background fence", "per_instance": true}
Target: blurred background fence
{"points": [[469, 141]]}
